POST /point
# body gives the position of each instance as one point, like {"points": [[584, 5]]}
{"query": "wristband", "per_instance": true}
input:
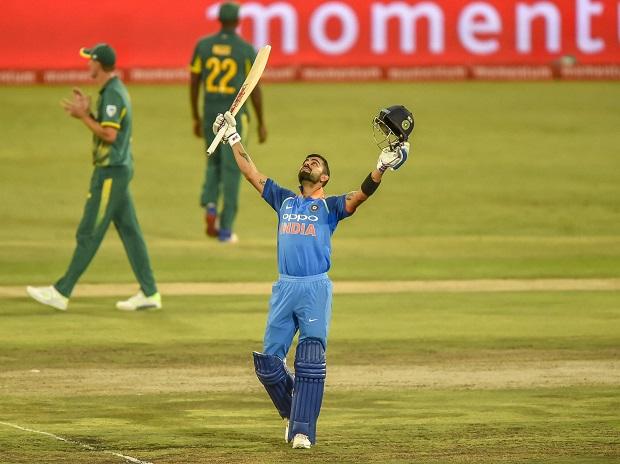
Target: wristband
{"points": [[369, 185], [234, 138]]}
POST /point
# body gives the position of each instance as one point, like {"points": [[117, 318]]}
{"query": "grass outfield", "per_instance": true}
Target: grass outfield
{"points": [[423, 378], [507, 181]]}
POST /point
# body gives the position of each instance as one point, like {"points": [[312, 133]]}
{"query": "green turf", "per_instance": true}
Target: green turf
{"points": [[506, 180], [554, 426], [570, 423], [510, 180], [397, 328]]}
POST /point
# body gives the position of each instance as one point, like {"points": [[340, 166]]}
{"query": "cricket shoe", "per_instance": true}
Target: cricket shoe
{"points": [[301, 441], [140, 301], [211, 224], [226, 236], [49, 296]]}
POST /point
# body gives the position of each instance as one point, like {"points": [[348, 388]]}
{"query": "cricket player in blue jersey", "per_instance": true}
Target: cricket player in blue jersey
{"points": [[302, 297]]}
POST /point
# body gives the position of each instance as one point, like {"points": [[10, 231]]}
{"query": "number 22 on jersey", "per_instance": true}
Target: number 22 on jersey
{"points": [[225, 69]]}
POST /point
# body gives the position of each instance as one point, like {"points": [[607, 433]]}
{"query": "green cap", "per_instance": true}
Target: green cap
{"points": [[229, 11], [101, 52]]}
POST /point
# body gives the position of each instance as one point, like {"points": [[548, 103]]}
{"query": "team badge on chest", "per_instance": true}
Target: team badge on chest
{"points": [[110, 110]]}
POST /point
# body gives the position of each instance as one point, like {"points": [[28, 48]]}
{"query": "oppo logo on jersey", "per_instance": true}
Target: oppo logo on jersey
{"points": [[296, 227], [299, 217]]}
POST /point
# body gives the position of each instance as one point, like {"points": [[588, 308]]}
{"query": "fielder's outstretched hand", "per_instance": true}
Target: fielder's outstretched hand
{"points": [[393, 158], [227, 120]]}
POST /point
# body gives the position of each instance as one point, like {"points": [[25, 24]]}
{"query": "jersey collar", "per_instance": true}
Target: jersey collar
{"points": [[108, 82], [228, 30]]}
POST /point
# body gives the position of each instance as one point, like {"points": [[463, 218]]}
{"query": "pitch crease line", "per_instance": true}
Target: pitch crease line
{"points": [[73, 442]]}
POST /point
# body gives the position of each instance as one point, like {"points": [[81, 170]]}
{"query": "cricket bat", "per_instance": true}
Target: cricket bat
{"points": [[248, 85]]}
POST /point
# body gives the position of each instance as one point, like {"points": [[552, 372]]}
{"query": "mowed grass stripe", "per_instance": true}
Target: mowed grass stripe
{"points": [[345, 287], [497, 374]]}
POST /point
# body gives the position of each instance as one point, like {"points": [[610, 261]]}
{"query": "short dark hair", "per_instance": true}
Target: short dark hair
{"points": [[325, 164], [107, 67]]}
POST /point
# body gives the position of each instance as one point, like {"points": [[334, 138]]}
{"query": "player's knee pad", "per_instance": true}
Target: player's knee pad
{"points": [[310, 373], [277, 380]]}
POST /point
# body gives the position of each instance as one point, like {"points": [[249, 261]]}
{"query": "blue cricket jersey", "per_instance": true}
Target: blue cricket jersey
{"points": [[305, 228]]}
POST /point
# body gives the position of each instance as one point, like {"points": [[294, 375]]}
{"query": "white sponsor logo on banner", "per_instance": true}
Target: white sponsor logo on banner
{"points": [[424, 26]]}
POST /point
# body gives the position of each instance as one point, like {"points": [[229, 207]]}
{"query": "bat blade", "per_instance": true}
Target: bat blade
{"points": [[256, 71]]}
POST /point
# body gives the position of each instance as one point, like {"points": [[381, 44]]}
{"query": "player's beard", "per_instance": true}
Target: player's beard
{"points": [[309, 176]]}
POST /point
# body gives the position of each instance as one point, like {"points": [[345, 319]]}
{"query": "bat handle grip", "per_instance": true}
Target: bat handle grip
{"points": [[216, 140]]}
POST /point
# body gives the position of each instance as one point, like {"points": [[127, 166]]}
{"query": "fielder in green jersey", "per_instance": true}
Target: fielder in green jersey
{"points": [[109, 199], [219, 66]]}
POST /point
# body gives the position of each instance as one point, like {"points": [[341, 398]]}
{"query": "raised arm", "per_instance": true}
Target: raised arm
{"points": [[248, 168], [388, 158], [245, 163]]}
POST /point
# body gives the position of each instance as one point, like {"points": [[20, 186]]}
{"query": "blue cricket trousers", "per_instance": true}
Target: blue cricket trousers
{"points": [[298, 303]]}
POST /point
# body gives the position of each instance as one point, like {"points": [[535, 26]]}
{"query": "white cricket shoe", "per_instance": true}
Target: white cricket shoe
{"points": [[234, 238], [140, 301], [301, 441], [49, 296]]}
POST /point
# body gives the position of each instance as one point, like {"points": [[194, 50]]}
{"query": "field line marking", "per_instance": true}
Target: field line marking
{"points": [[74, 442], [344, 287]]}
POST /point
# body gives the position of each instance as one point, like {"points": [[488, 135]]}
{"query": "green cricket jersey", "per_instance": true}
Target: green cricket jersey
{"points": [[223, 61], [114, 110]]}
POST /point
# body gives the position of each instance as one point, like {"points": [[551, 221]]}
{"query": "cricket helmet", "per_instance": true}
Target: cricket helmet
{"points": [[392, 126]]}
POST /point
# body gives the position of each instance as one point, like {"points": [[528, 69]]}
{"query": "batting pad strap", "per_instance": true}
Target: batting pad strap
{"points": [[311, 370], [369, 185], [277, 380], [310, 373]]}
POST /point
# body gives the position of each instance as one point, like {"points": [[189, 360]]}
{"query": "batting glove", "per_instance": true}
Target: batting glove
{"points": [[227, 120], [393, 158], [218, 123]]}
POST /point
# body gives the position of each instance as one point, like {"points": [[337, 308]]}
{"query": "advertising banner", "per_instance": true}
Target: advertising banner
{"points": [[338, 39]]}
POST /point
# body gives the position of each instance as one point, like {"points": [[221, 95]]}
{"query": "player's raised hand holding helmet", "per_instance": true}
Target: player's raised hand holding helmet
{"points": [[392, 128], [228, 120], [393, 158]]}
